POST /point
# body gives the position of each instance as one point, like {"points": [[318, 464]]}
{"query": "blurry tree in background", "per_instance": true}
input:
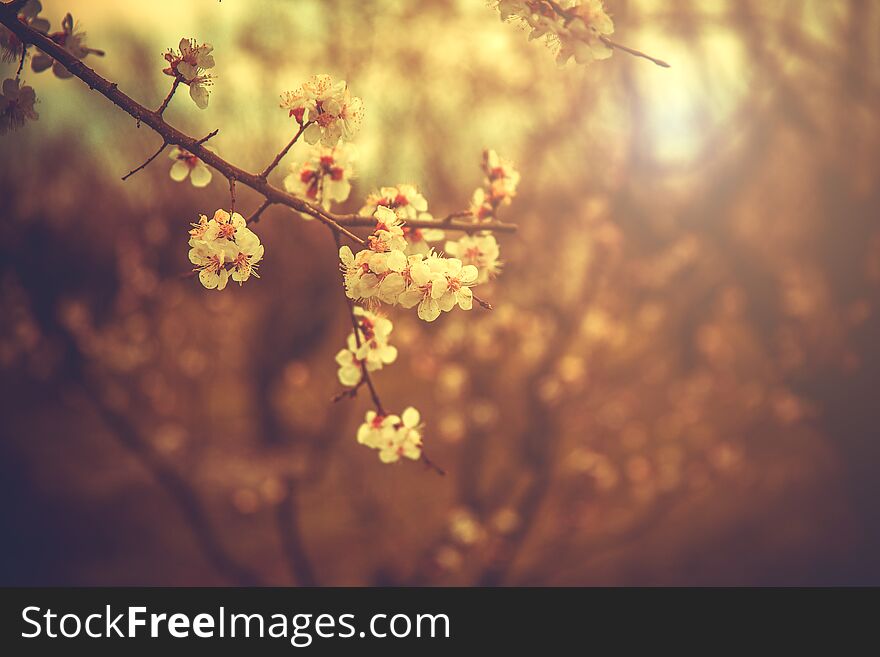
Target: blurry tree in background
{"points": [[677, 384]]}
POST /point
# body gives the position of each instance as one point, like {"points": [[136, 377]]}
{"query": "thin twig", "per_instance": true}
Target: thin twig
{"points": [[168, 97], [231, 195], [255, 217], [213, 133], [149, 159], [21, 61], [632, 51], [483, 303], [284, 150]]}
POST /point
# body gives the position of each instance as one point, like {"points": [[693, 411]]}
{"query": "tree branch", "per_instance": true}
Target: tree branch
{"points": [[172, 135], [149, 159], [168, 97], [284, 150]]}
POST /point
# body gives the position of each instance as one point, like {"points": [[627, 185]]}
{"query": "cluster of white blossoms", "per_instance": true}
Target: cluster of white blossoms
{"points": [[16, 105], [324, 175], [222, 248], [392, 435], [384, 273], [480, 250], [17, 100], [189, 65], [576, 28], [326, 107], [405, 200], [370, 349], [499, 187], [187, 164]]}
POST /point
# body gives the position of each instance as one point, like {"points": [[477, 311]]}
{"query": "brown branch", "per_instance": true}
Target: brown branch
{"points": [[213, 133], [632, 51], [168, 97], [21, 61], [149, 159], [360, 221], [284, 150], [171, 135], [482, 302], [231, 195], [255, 217]]}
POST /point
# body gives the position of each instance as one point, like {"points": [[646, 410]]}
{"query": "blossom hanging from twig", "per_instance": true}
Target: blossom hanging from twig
{"points": [[11, 47], [16, 105], [73, 39], [369, 349], [189, 65], [323, 174], [222, 248], [188, 165], [326, 107], [394, 436]]}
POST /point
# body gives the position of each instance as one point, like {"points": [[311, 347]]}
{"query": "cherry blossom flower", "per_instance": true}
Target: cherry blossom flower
{"points": [[224, 247], [457, 289], [393, 436], [189, 65], [581, 37], [424, 274], [405, 200], [210, 259], [499, 186], [418, 240], [327, 107], [324, 174], [575, 28], [187, 164], [16, 105], [370, 349], [72, 39], [480, 250], [11, 47], [388, 235]]}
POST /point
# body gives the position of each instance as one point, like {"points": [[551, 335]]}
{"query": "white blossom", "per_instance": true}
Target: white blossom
{"points": [[16, 105], [369, 349], [323, 174], [328, 108], [418, 240], [499, 186], [480, 250], [405, 200], [73, 40], [187, 164], [393, 436], [189, 65], [575, 28], [223, 247]]}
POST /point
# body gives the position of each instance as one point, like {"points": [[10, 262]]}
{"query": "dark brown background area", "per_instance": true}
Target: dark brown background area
{"points": [[678, 384]]}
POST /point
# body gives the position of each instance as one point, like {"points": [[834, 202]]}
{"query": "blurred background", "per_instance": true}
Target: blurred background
{"points": [[678, 384]]}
